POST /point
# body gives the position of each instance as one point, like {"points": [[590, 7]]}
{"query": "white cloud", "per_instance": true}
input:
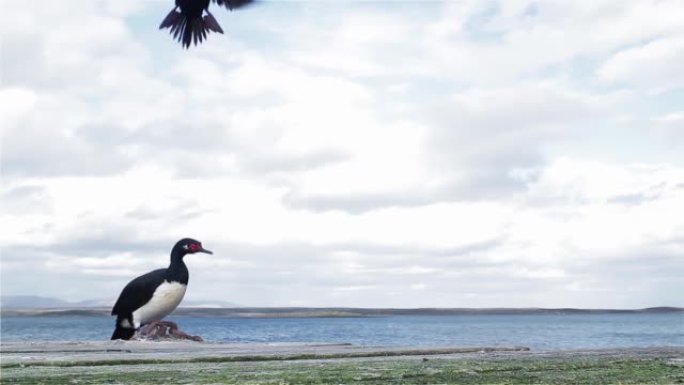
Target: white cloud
{"points": [[655, 66], [672, 118], [15, 104], [454, 154]]}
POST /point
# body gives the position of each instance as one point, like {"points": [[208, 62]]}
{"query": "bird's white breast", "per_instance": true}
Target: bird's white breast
{"points": [[164, 300]]}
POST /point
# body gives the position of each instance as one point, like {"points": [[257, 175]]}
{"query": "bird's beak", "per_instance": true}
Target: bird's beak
{"points": [[203, 250]]}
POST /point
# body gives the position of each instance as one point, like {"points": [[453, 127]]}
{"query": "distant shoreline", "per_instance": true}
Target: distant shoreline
{"points": [[334, 312]]}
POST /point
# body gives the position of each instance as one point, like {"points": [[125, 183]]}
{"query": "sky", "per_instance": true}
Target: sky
{"points": [[453, 153]]}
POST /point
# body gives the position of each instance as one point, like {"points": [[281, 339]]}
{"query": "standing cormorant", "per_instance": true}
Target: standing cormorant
{"points": [[154, 295]]}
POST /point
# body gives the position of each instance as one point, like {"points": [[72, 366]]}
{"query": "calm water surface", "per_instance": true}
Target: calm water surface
{"points": [[539, 331]]}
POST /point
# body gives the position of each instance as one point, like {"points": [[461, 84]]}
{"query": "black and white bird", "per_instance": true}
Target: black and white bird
{"points": [[188, 22], [153, 296]]}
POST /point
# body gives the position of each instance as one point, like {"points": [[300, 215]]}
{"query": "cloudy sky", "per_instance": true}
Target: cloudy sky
{"points": [[451, 153]]}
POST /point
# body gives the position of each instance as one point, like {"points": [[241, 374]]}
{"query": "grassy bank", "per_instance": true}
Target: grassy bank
{"points": [[614, 368]]}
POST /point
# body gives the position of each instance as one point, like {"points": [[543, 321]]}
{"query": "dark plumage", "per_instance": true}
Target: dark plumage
{"points": [[189, 25], [153, 296]]}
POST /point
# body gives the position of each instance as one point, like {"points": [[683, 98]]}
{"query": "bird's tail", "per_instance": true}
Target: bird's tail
{"points": [[121, 333], [190, 30]]}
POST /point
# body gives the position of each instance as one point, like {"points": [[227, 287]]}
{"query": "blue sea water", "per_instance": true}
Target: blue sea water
{"points": [[537, 331]]}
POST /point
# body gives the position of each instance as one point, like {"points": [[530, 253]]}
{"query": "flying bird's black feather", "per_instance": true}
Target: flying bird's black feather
{"points": [[190, 20]]}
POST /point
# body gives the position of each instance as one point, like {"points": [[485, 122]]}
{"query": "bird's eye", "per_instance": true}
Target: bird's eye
{"points": [[194, 247]]}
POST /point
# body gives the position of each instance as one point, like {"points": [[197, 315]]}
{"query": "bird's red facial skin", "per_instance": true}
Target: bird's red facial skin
{"points": [[194, 247]]}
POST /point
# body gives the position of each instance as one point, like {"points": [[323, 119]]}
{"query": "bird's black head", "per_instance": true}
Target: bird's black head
{"points": [[188, 246]]}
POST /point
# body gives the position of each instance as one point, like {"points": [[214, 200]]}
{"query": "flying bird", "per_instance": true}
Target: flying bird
{"points": [[188, 22], [152, 296]]}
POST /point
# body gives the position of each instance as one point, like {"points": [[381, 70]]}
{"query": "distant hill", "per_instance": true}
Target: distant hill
{"points": [[282, 312], [209, 304], [36, 305], [33, 302], [331, 312], [37, 302]]}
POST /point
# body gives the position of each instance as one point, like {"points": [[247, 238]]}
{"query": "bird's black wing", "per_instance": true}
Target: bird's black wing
{"points": [[233, 4], [138, 292]]}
